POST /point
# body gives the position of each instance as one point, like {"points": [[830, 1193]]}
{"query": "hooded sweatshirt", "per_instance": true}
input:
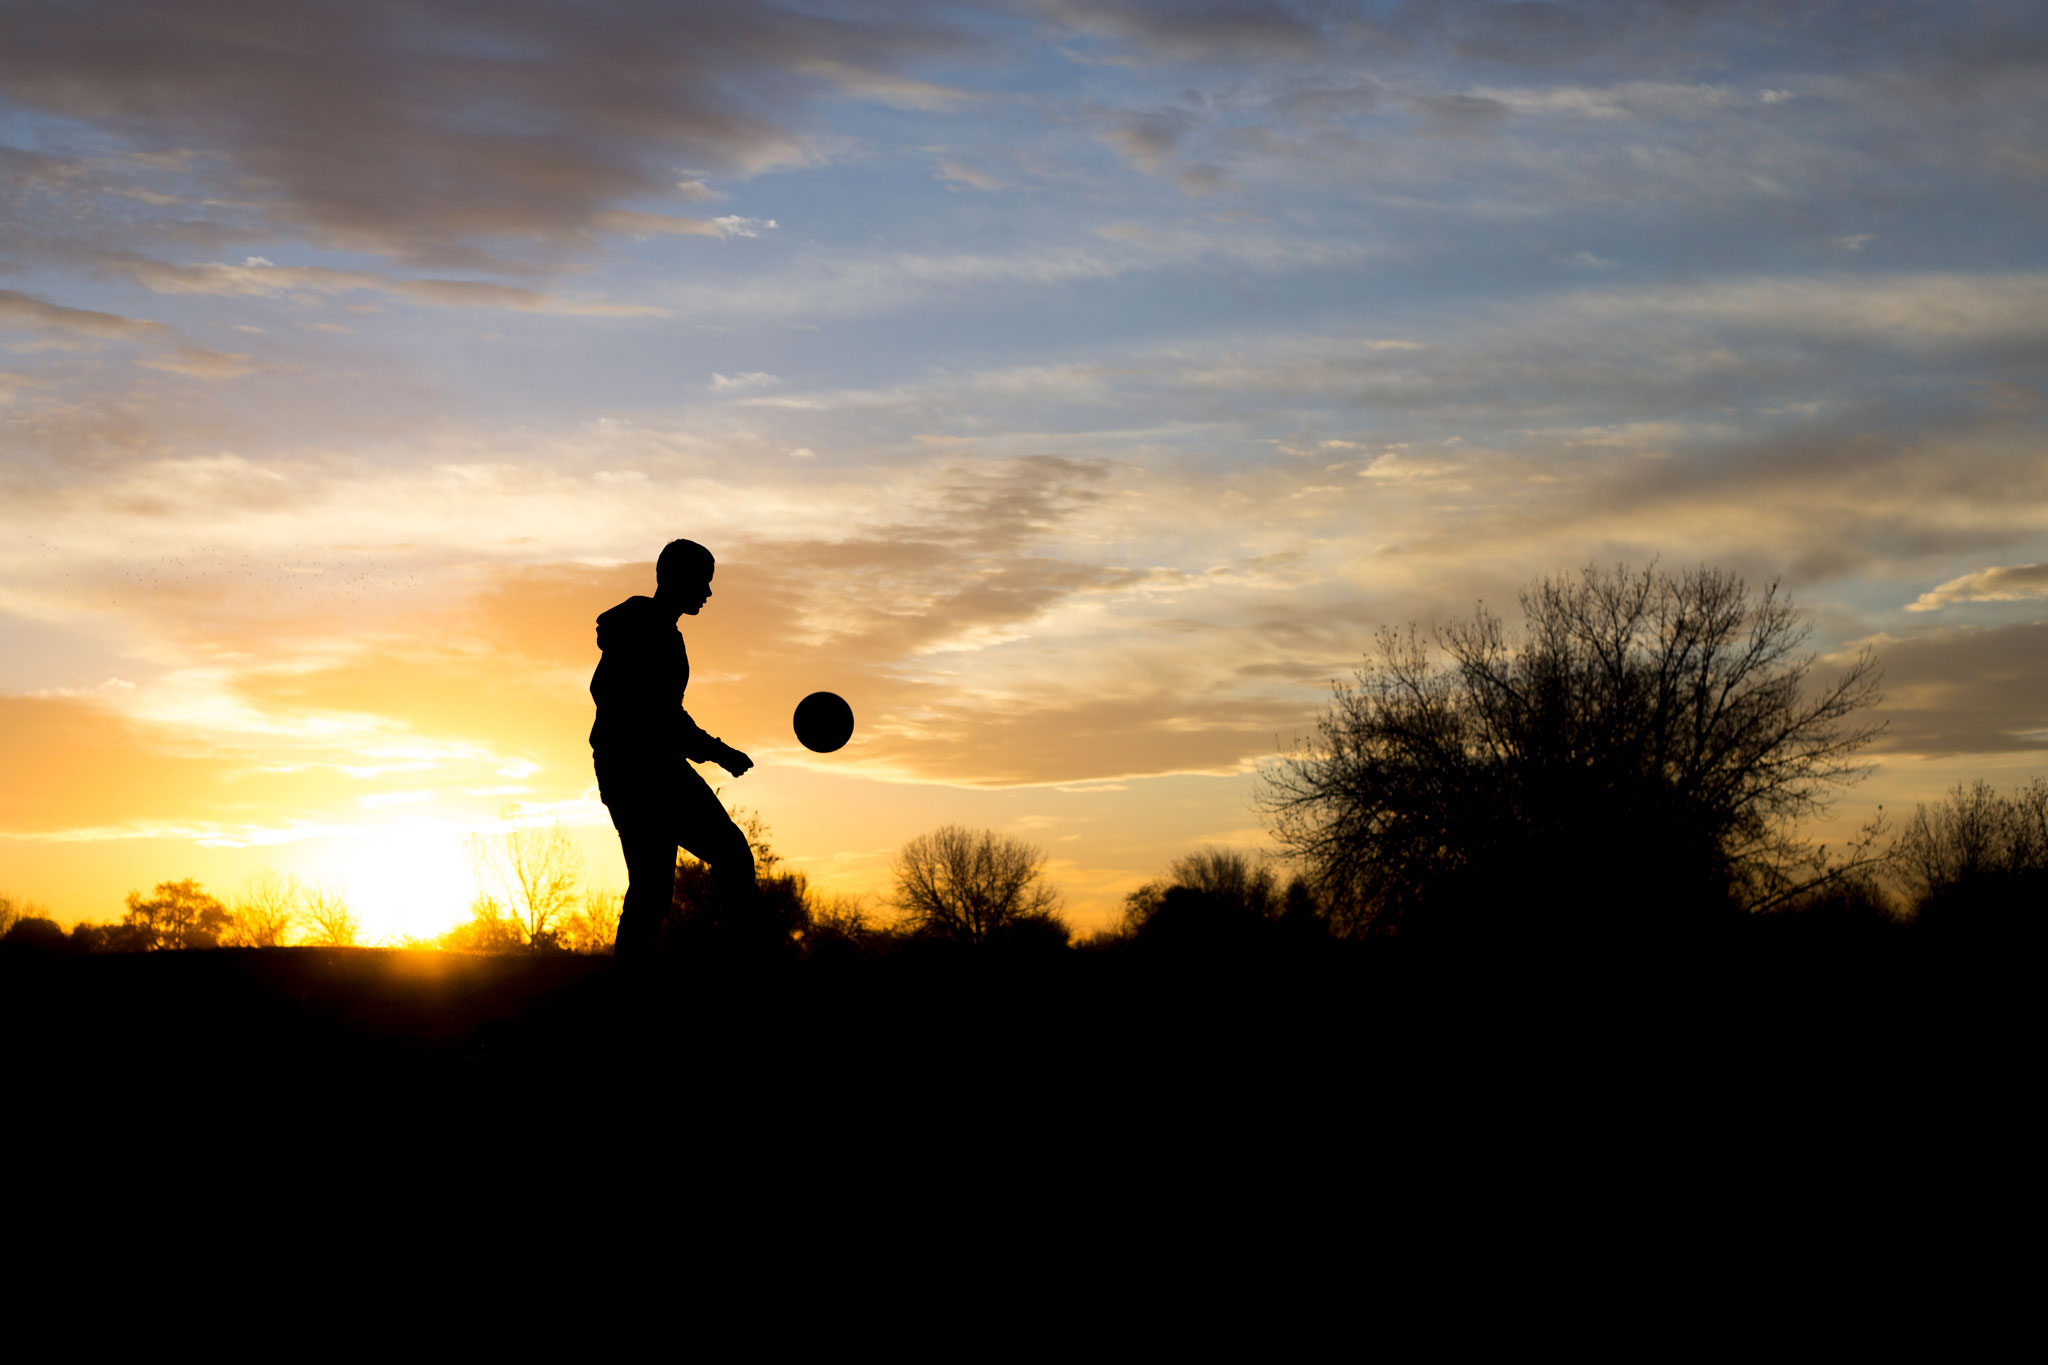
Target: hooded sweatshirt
{"points": [[642, 729]]}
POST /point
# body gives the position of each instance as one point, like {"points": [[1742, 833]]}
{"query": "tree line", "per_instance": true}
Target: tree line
{"points": [[1641, 760], [271, 910], [1978, 859]]}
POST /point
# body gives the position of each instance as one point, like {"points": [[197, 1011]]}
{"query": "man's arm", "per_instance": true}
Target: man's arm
{"points": [[699, 746]]}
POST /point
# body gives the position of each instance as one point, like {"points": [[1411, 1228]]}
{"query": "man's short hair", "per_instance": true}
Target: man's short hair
{"points": [[681, 560]]}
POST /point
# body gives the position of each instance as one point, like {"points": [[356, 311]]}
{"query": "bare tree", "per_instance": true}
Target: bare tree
{"points": [[264, 910], [532, 870], [971, 885], [1648, 742], [329, 921]]}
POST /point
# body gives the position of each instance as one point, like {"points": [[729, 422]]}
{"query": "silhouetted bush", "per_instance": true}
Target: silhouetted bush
{"points": [[1304, 922], [1854, 910], [1997, 904], [487, 930], [1185, 920], [1218, 902], [842, 930], [127, 938], [1034, 934], [35, 934], [13, 911], [702, 922]]}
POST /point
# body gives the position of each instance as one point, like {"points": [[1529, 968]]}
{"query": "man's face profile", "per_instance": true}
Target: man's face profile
{"points": [[692, 593]]}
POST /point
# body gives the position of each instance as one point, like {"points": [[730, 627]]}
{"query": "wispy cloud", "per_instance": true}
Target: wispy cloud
{"points": [[961, 173], [167, 350], [1999, 583], [259, 278]]}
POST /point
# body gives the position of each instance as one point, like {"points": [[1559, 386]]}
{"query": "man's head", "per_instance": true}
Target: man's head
{"points": [[682, 575]]}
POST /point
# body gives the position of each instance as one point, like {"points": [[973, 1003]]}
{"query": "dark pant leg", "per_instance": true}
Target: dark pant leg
{"points": [[647, 839], [705, 829], [653, 821]]}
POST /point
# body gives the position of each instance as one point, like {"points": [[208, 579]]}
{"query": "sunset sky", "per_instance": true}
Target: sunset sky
{"points": [[1075, 388]]}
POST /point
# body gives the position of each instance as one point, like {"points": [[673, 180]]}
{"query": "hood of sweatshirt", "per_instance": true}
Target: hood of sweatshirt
{"points": [[634, 616]]}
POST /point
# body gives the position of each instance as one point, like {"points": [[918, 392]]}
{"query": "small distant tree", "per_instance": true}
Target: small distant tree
{"points": [[595, 927], [1219, 900], [971, 886], [175, 915], [487, 930], [265, 910], [329, 921], [532, 871], [1640, 756], [842, 929], [1224, 875]]}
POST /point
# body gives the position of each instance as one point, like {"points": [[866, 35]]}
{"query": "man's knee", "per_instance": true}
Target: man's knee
{"points": [[735, 859]]}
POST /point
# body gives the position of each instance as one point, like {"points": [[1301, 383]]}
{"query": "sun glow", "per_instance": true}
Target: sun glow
{"points": [[406, 879]]}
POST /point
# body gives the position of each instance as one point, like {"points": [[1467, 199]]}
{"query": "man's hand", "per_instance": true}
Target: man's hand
{"points": [[732, 760]]}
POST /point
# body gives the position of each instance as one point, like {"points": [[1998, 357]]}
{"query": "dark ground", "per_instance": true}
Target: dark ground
{"points": [[1087, 1032], [1342, 1119]]}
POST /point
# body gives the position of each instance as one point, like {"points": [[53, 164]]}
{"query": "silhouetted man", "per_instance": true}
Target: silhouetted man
{"points": [[642, 740]]}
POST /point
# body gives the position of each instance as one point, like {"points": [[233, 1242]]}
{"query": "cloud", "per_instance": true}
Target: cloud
{"points": [[1167, 30], [734, 225], [657, 224], [1324, 102], [259, 278], [1966, 691], [447, 138], [169, 351], [2000, 583], [932, 590], [890, 88], [1625, 99], [749, 379], [478, 294], [18, 310], [1458, 115], [1147, 140], [200, 364], [960, 173], [855, 283]]}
